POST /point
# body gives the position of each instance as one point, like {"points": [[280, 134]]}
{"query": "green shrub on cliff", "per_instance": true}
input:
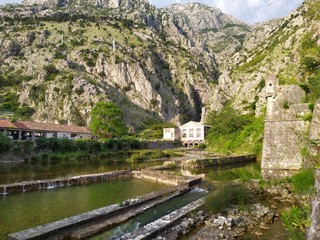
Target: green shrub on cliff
{"points": [[303, 182], [232, 132]]}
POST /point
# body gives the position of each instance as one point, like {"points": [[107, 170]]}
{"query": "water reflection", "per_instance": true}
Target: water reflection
{"points": [[18, 172]]}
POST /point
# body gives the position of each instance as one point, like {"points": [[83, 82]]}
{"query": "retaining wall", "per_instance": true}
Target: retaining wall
{"points": [[216, 161], [76, 180], [168, 178], [161, 144], [314, 231]]}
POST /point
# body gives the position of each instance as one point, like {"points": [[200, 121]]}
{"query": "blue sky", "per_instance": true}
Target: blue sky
{"points": [[250, 11]]}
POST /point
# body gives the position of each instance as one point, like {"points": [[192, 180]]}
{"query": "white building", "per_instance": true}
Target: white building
{"points": [[191, 134], [171, 134]]}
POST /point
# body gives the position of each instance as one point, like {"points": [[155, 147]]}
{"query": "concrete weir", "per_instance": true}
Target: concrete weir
{"points": [[93, 222], [52, 183]]}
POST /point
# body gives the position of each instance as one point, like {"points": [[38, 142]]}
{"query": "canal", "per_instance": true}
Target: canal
{"points": [[29, 209]]}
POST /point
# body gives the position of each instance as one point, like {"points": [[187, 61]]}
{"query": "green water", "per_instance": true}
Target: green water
{"points": [[26, 210], [11, 173], [151, 215]]}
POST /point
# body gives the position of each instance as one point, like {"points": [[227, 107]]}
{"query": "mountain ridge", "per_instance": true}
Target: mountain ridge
{"points": [[156, 64]]}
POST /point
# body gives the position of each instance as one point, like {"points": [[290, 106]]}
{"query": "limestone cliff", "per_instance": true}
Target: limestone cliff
{"points": [[64, 61]]}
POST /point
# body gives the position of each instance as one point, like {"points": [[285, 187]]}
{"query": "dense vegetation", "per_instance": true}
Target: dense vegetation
{"points": [[232, 132], [107, 120], [310, 61], [296, 218]]}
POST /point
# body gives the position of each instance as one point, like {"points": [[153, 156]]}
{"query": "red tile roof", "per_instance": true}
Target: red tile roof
{"points": [[6, 124], [50, 127]]}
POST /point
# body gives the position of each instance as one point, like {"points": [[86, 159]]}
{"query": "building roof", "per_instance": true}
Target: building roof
{"points": [[4, 123], [193, 124], [50, 127]]}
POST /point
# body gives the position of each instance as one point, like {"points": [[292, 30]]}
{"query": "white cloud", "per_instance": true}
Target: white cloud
{"points": [[2, 2], [250, 11]]}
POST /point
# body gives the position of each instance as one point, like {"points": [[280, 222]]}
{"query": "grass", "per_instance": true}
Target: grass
{"points": [[296, 220], [303, 182], [152, 154], [225, 197]]}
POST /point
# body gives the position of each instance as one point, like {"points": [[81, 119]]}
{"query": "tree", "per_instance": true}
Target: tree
{"points": [[107, 120], [5, 143]]}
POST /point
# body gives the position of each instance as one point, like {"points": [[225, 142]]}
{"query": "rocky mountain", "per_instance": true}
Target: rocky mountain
{"points": [[276, 47], [57, 62], [220, 33], [59, 57]]}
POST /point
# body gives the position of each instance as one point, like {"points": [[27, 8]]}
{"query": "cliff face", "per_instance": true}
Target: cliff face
{"points": [[220, 33], [64, 61]]}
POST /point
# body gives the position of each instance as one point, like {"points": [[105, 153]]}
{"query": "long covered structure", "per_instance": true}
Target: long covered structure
{"points": [[27, 130]]}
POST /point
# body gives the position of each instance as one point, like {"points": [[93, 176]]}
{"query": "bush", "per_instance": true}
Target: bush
{"points": [[304, 182], [5, 143], [233, 132], [225, 197]]}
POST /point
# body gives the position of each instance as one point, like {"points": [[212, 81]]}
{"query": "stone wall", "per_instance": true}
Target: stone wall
{"points": [[161, 144], [315, 124], [314, 232], [217, 161], [285, 132]]}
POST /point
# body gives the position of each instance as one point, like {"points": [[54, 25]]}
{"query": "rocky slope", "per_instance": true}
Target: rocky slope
{"points": [[220, 33], [62, 61], [274, 47]]}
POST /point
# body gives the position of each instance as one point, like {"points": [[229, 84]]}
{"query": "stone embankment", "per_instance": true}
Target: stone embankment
{"points": [[93, 222], [314, 231], [151, 230], [76, 180], [217, 161], [257, 219]]}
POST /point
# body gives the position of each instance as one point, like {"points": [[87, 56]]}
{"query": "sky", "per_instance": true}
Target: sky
{"points": [[249, 11]]}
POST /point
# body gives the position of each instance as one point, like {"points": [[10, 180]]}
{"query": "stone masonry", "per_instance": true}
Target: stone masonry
{"points": [[286, 128], [314, 231]]}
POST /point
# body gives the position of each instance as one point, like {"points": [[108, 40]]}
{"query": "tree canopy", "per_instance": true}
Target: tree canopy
{"points": [[107, 120]]}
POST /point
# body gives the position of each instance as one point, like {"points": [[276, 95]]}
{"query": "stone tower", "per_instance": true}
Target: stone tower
{"points": [[272, 86], [285, 128]]}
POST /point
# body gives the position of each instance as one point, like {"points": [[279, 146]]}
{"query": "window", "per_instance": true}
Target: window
{"points": [[184, 133], [191, 132]]}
